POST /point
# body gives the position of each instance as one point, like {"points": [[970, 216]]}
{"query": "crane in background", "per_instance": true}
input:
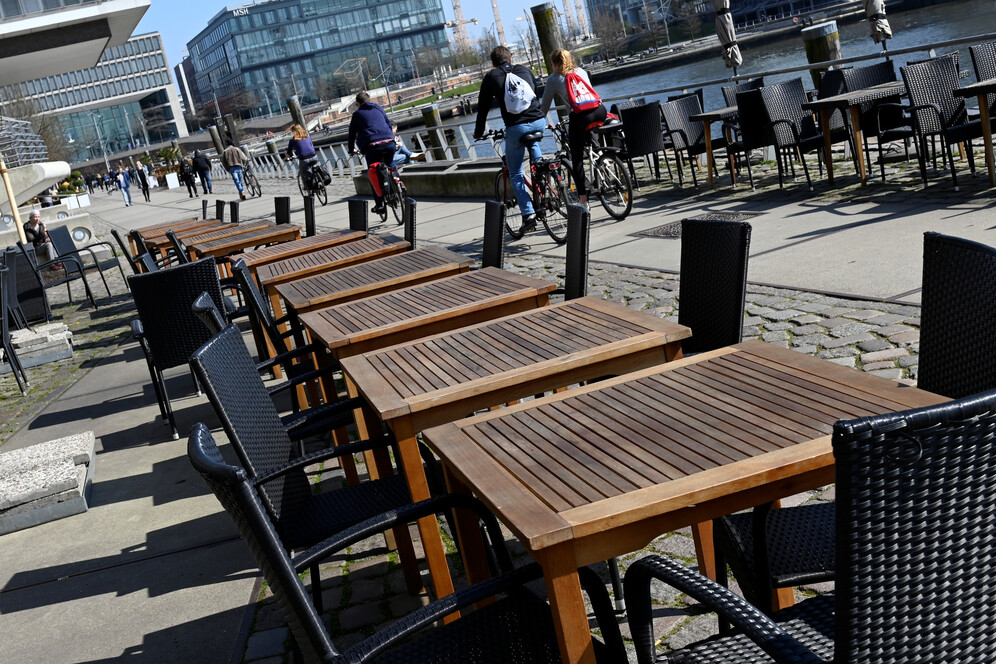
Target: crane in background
{"points": [[460, 37]]}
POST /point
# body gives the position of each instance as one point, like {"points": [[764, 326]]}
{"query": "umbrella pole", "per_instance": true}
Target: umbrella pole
{"points": [[885, 50]]}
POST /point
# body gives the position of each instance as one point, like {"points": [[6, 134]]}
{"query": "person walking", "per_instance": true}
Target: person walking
{"points": [[187, 177], [571, 83], [370, 131], [514, 88], [235, 160], [203, 167], [143, 181], [124, 181]]}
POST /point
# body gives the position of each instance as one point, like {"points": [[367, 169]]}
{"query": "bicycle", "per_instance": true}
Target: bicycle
{"points": [[549, 183], [251, 183], [607, 177], [394, 194], [310, 183]]}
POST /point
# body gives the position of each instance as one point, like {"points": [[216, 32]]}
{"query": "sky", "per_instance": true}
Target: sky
{"points": [[180, 20]]}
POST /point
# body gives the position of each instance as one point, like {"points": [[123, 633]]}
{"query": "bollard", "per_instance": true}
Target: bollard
{"points": [[216, 139], [233, 209], [576, 277], [281, 209], [204, 208], [359, 215], [548, 30], [408, 218], [822, 43], [271, 147], [231, 129], [493, 250], [219, 210], [430, 115], [297, 114], [309, 216]]}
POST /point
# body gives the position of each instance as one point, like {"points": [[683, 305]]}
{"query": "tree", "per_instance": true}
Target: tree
{"points": [[609, 31], [687, 11]]}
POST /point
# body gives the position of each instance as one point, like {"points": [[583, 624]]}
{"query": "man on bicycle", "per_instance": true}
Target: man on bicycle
{"points": [[572, 85], [513, 85], [370, 130]]}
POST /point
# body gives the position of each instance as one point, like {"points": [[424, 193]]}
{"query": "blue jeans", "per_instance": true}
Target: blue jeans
{"points": [[126, 194], [205, 180], [402, 156], [514, 153], [236, 172]]}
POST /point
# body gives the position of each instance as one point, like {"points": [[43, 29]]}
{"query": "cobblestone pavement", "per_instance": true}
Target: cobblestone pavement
{"points": [[364, 588]]}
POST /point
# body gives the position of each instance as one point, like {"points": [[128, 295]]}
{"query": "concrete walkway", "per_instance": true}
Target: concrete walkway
{"points": [[153, 571]]}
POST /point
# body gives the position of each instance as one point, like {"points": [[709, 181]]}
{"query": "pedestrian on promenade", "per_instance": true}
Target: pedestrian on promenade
{"points": [[48, 196], [571, 83], [143, 181], [187, 177], [235, 160], [203, 167], [514, 88], [36, 233], [124, 181], [370, 131]]}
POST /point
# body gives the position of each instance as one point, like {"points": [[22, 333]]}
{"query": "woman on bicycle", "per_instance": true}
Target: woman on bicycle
{"points": [[300, 145], [572, 85]]}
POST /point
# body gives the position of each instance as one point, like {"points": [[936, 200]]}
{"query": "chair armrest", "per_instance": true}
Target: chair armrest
{"points": [[137, 330], [795, 132], [61, 259], [286, 356], [927, 107], [343, 408], [90, 247], [684, 137], [321, 455], [761, 629]]}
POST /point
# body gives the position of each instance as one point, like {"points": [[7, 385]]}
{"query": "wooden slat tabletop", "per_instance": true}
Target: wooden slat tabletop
{"points": [[227, 231], [635, 447], [483, 365], [402, 315], [193, 234], [178, 226], [252, 238], [333, 258], [306, 245], [389, 273]]}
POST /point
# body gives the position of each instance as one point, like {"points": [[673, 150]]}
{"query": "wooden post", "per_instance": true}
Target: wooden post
{"points": [[13, 201], [822, 44], [430, 115]]}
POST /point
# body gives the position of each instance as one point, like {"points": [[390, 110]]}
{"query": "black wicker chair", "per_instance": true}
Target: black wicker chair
{"points": [[275, 463], [516, 629], [730, 92], [179, 250], [64, 246], [791, 128], [166, 259], [643, 136], [916, 547], [984, 63], [832, 83], [688, 137], [133, 260], [9, 356], [749, 132], [30, 293], [167, 330], [885, 119], [937, 113], [72, 270], [713, 282], [15, 313]]}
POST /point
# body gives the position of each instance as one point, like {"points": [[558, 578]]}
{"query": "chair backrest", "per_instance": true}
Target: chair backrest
{"points": [[831, 85], [31, 293], [63, 242], [5, 313], [783, 101], [684, 133], [984, 63], [858, 78], [730, 91], [251, 421], [713, 282], [234, 491], [259, 308], [178, 248], [139, 241], [752, 119], [621, 106], [163, 300], [916, 534], [930, 83], [957, 317], [135, 264], [698, 92], [642, 128], [204, 308]]}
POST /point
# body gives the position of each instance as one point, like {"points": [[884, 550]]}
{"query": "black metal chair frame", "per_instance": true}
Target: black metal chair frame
{"points": [[748, 133], [10, 356], [643, 136], [792, 129], [72, 269], [730, 91], [65, 246], [688, 137]]}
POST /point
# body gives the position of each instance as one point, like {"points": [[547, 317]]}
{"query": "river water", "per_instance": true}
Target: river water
{"points": [[917, 27]]}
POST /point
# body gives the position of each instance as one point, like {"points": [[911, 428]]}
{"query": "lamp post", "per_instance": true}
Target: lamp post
{"points": [[383, 79], [100, 141]]}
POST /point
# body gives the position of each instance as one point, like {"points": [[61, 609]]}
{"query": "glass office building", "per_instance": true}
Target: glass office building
{"points": [[256, 55], [126, 101]]}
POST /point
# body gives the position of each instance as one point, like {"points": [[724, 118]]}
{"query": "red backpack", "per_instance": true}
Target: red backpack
{"points": [[580, 95]]}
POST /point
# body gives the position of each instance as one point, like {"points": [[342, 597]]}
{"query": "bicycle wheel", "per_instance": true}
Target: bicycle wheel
{"points": [[505, 195], [321, 194], [556, 193], [395, 201], [301, 185], [252, 184], [614, 188]]}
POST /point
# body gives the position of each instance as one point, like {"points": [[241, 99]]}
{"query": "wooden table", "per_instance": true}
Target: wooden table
{"points": [[252, 238], [204, 234], [600, 471], [306, 245], [980, 90], [371, 278], [707, 118], [412, 313], [159, 230], [851, 102]]}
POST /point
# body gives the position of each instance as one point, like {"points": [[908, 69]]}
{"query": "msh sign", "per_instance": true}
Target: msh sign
{"points": [[242, 11]]}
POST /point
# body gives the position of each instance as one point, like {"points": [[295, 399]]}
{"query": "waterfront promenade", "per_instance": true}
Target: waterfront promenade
{"points": [[154, 572]]}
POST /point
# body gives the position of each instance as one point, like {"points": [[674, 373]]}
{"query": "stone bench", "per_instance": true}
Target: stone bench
{"points": [[43, 344]]}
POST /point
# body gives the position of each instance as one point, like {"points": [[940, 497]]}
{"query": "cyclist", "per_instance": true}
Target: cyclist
{"points": [[514, 87], [572, 85], [370, 130]]}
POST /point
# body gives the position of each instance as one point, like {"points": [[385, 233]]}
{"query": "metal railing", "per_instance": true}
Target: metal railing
{"points": [[20, 144]]}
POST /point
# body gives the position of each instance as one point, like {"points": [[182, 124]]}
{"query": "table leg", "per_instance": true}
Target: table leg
{"points": [[987, 138], [708, 146], [277, 304], [378, 463], [468, 533], [705, 550], [567, 604], [827, 142], [428, 527], [859, 145]]}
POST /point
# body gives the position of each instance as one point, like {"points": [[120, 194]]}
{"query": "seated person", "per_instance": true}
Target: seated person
{"points": [[35, 233]]}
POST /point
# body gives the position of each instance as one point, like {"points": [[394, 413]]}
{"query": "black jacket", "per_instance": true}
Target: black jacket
{"points": [[493, 88], [201, 163]]}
